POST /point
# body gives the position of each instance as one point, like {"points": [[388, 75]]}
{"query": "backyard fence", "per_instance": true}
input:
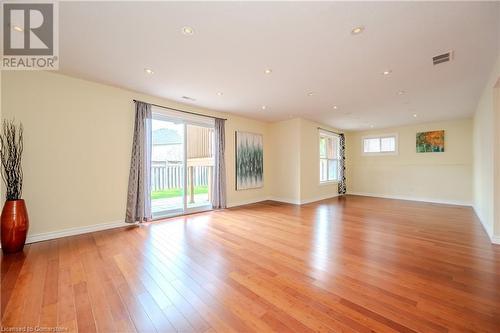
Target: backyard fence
{"points": [[166, 176]]}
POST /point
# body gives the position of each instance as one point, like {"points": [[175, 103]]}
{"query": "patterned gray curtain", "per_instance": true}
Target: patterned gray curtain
{"points": [[139, 181], [342, 182], [219, 174]]}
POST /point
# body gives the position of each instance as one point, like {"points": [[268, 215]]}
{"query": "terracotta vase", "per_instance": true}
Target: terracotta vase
{"points": [[14, 226]]}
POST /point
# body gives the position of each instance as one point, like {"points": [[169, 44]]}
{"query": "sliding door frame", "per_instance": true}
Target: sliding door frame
{"points": [[177, 117]]}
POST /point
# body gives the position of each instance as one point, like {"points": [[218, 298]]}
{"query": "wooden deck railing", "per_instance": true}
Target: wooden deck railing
{"points": [[166, 176]]}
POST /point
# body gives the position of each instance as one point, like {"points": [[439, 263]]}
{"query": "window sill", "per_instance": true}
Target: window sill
{"points": [[391, 153], [329, 182]]}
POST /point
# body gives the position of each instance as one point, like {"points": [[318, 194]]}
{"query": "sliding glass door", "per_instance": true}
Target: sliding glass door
{"points": [[199, 164], [167, 166], [181, 164]]}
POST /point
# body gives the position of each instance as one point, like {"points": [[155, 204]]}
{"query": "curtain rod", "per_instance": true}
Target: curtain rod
{"points": [[166, 107], [324, 129]]}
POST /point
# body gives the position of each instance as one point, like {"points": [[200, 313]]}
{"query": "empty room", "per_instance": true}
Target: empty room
{"points": [[250, 166]]}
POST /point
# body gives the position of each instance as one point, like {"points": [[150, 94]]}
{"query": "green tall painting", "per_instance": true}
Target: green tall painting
{"points": [[430, 142], [249, 161]]}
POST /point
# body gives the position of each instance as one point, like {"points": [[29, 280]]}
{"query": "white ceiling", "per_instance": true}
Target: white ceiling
{"points": [[308, 46]]}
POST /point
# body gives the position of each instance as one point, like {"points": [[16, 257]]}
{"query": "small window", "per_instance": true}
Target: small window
{"points": [[328, 157], [381, 144]]}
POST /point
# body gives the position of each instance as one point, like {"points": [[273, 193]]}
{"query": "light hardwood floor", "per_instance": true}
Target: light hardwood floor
{"points": [[352, 264]]}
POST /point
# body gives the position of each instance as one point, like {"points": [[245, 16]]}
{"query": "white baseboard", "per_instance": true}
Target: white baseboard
{"points": [[74, 231], [493, 238], [280, 199], [305, 201], [410, 198], [285, 200], [318, 198], [490, 235], [246, 202]]}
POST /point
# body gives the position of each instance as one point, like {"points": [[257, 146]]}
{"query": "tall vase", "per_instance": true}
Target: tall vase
{"points": [[14, 225]]}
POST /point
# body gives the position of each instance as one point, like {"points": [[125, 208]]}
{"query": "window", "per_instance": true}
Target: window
{"points": [[381, 144], [328, 157]]}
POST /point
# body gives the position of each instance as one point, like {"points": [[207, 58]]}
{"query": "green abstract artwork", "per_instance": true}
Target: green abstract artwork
{"points": [[249, 161]]}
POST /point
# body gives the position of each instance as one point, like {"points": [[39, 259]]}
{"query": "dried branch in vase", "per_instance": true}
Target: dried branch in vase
{"points": [[11, 150]]}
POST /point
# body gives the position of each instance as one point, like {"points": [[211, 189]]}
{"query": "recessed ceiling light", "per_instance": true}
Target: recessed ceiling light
{"points": [[387, 72], [263, 107], [18, 28], [310, 93], [148, 70], [335, 107], [357, 30], [187, 31], [268, 71], [220, 93], [414, 115], [401, 92]]}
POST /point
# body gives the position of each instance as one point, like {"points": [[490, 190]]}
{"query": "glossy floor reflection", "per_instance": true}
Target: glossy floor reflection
{"points": [[352, 264]]}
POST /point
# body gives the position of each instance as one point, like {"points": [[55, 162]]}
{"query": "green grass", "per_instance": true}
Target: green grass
{"points": [[177, 192]]}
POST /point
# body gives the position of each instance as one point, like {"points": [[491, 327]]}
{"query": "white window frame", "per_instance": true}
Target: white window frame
{"points": [[337, 137], [380, 136]]}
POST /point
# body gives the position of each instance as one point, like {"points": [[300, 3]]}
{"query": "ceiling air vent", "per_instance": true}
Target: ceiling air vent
{"points": [[189, 98], [445, 57]]}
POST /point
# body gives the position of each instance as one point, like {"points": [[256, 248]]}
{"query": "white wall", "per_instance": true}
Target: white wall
{"points": [[496, 156], [296, 162], [437, 177], [285, 136], [486, 143], [235, 198], [78, 138]]}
